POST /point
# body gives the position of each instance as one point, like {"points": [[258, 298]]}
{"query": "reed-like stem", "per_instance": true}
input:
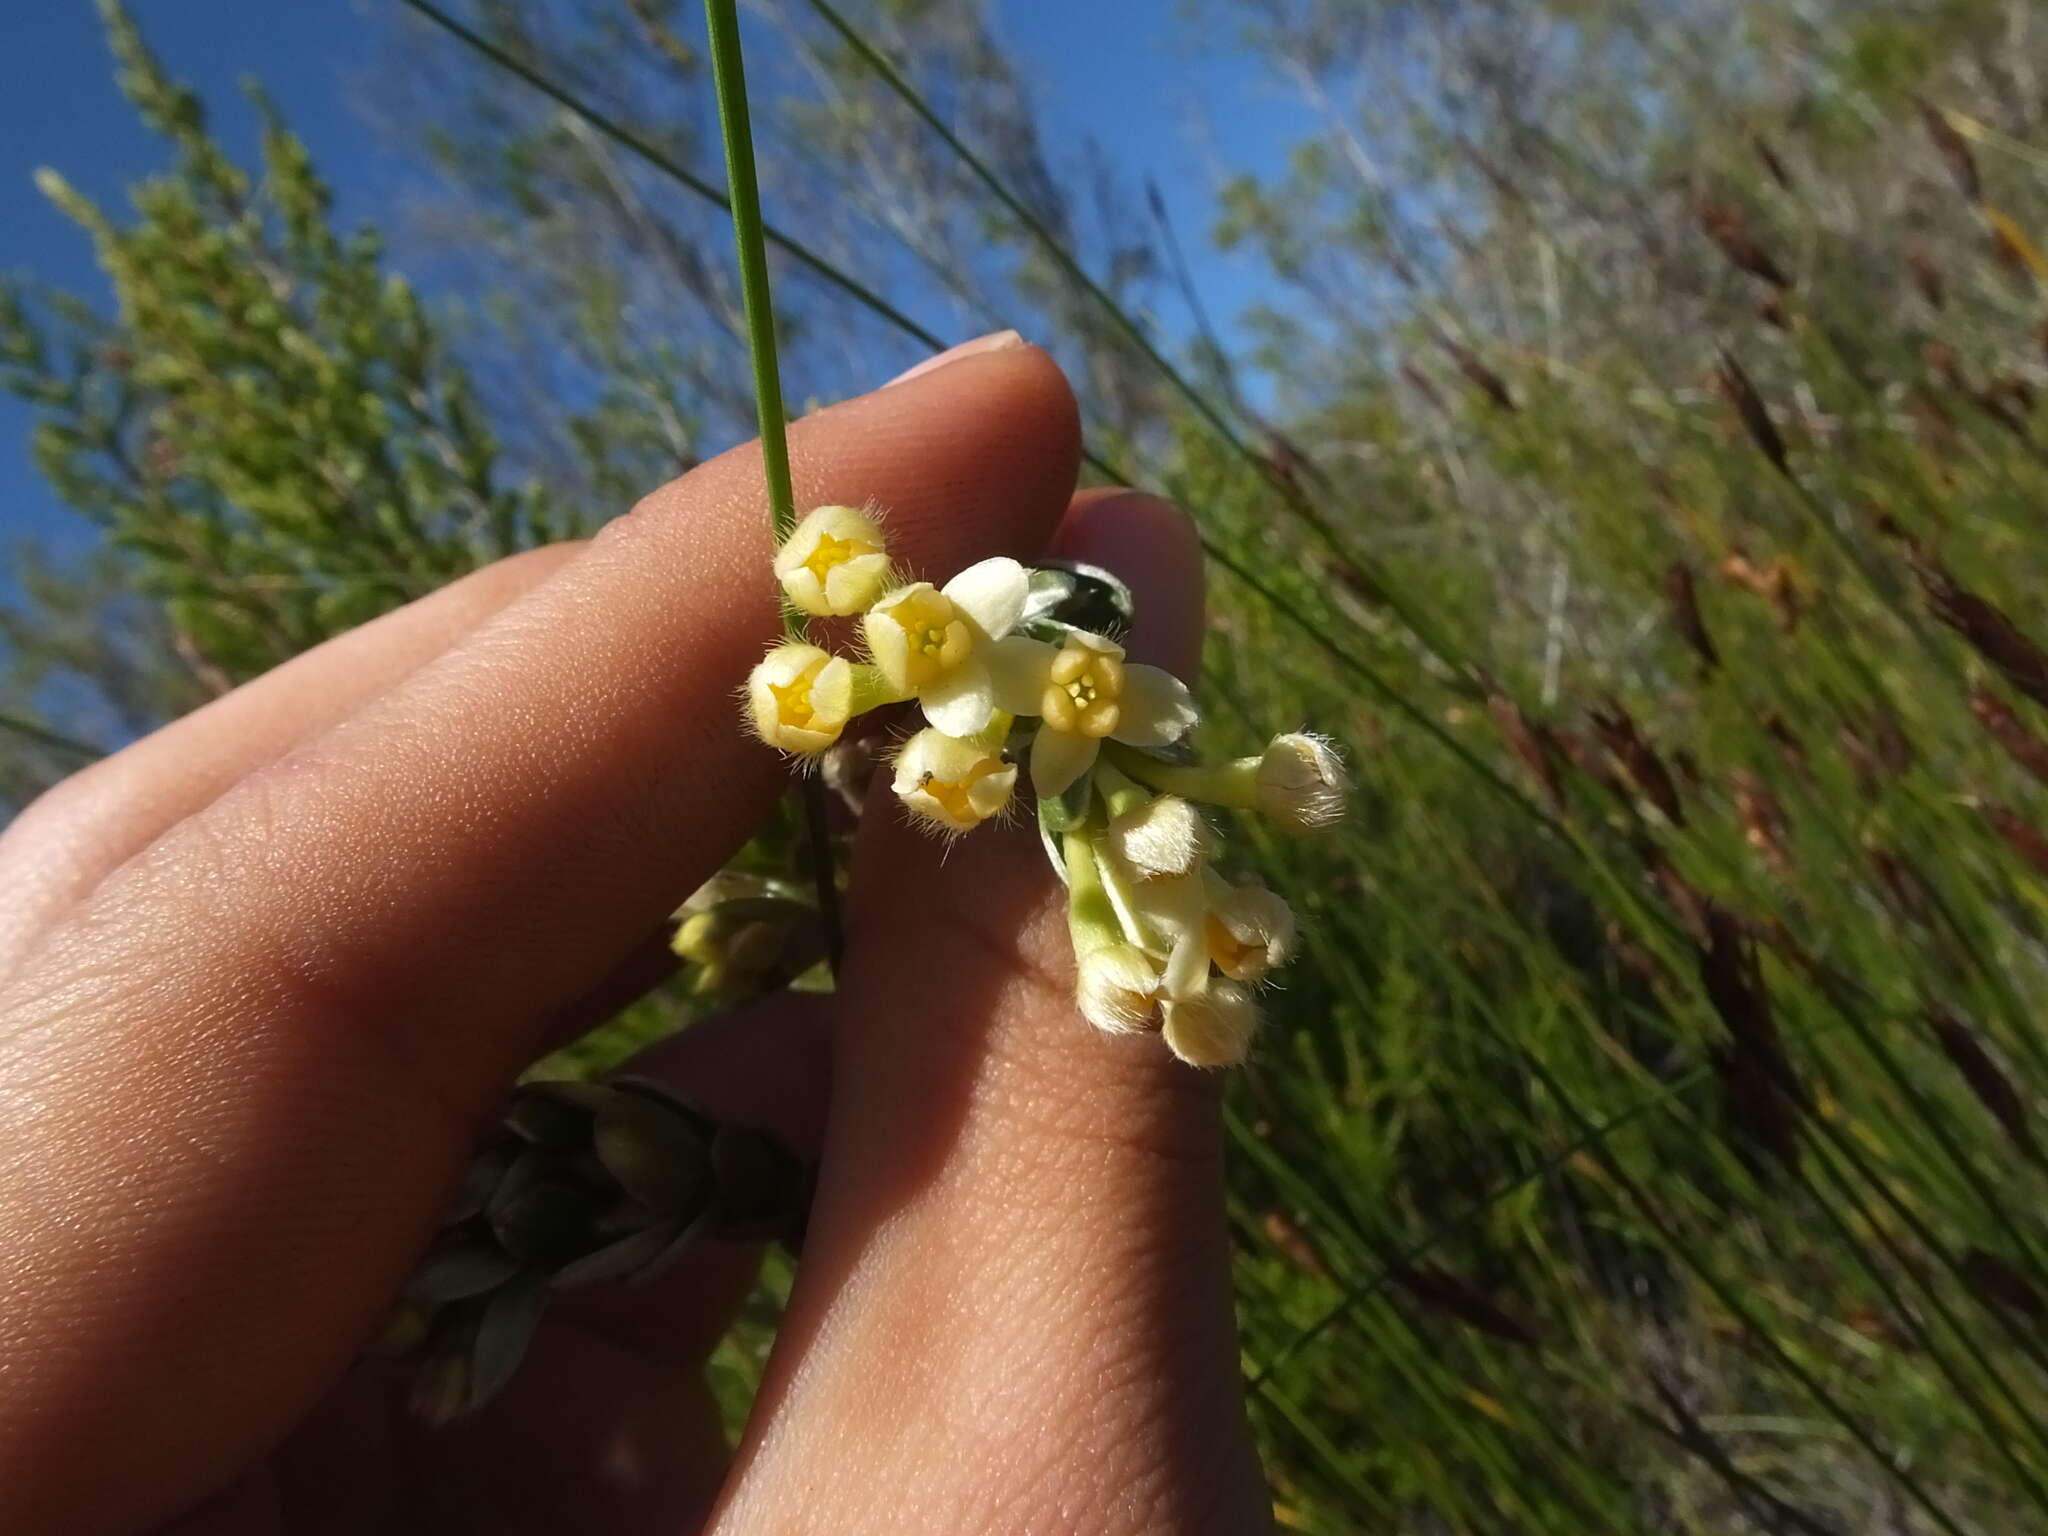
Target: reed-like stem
{"points": [[43, 736], [728, 73]]}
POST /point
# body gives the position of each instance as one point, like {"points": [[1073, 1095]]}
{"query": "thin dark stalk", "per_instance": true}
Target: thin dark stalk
{"points": [[1317, 521], [630, 141], [1729, 1297], [43, 736], [1994, 1433]]}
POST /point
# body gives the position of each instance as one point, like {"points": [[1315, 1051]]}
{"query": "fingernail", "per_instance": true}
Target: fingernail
{"points": [[1000, 341]]}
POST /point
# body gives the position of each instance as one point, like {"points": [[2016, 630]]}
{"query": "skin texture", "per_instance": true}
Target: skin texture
{"points": [[264, 974]]}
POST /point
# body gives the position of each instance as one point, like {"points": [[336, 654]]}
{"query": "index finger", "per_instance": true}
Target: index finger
{"points": [[240, 1078]]}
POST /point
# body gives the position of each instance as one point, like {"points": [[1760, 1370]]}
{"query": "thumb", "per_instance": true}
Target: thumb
{"points": [[1014, 1306]]}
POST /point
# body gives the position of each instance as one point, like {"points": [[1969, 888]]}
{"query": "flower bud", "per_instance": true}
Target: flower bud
{"points": [[698, 938], [1300, 783], [1117, 988], [952, 785], [800, 698], [1214, 1027], [1162, 839], [1250, 930], [833, 562]]}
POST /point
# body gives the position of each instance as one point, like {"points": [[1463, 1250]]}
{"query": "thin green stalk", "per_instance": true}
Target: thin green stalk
{"points": [[728, 73], [1203, 407], [1459, 1221], [43, 736], [1730, 1299], [630, 141], [1995, 1434]]}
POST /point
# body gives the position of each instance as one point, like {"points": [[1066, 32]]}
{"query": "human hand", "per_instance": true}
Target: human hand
{"points": [[265, 974]]}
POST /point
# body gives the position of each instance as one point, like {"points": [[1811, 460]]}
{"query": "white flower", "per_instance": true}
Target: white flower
{"points": [[950, 784], [1084, 691], [1249, 929], [1117, 988], [1212, 1028], [941, 645], [833, 562], [1161, 839], [1300, 783], [800, 698]]}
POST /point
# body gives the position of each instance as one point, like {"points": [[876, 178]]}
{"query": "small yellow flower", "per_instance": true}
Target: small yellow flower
{"points": [[1212, 1028], [1085, 692], [833, 562], [950, 784], [697, 938], [800, 698], [1248, 929], [940, 645]]}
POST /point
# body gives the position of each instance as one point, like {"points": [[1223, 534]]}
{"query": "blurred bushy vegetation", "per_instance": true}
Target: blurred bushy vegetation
{"points": [[1640, 468]]}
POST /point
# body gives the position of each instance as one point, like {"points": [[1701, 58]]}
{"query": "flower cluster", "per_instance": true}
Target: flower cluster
{"points": [[1012, 667]]}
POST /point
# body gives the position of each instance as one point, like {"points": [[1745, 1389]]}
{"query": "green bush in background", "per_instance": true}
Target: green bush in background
{"points": [[1641, 469]]}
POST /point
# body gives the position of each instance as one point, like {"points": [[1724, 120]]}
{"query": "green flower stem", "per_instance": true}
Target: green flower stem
{"points": [[872, 690], [728, 73], [1091, 917], [1233, 784], [1119, 793]]}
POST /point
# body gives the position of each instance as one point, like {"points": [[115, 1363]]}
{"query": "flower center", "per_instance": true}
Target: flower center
{"points": [[955, 796], [793, 698], [833, 552], [937, 636], [1084, 693], [1224, 948]]}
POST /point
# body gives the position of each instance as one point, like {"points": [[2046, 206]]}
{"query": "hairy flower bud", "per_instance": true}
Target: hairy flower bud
{"points": [[1162, 839], [1214, 1027], [1300, 783], [800, 698], [1250, 930], [833, 562], [698, 937], [1117, 988]]}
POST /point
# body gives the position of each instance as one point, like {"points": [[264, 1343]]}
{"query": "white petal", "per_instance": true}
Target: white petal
{"points": [[960, 702], [1157, 708], [889, 646], [1167, 911], [1020, 668], [850, 586], [991, 593], [1187, 966], [1115, 986], [1214, 1029], [1162, 838], [1057, 759]]}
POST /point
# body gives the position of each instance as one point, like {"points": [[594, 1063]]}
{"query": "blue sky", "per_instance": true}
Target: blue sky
{"points": [[1119, 73]]}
